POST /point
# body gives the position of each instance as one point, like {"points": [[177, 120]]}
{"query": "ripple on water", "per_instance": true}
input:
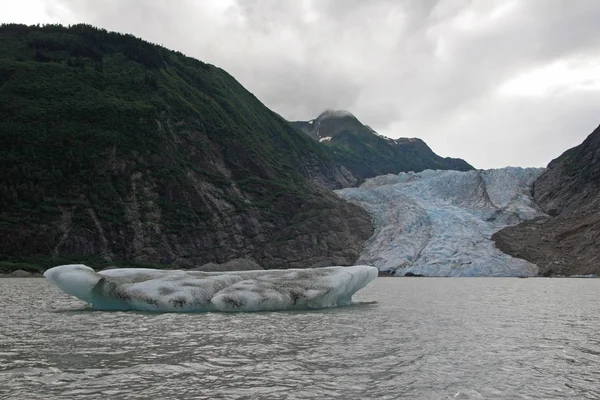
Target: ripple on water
{"points": [[423, 338]]}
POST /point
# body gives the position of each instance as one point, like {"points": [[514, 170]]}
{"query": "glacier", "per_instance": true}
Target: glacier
{"points": [[440, 223], [195, 291]]}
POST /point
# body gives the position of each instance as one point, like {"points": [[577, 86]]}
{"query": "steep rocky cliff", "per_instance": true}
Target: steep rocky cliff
{"points": [[116, 150], [567, 242], [366, 154]]}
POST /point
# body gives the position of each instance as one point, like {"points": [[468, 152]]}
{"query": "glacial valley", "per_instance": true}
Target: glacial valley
{"points": [[440, 223]]}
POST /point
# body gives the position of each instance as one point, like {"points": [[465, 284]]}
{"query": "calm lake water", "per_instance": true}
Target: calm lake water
{"points": [[424, 338]]}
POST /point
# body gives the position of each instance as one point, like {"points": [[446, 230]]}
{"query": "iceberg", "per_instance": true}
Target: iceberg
{"points": [[440, 223], [196, 291]]}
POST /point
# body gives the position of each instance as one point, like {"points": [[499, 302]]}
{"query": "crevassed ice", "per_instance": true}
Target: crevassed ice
{"points": [[440, 223], [195, 291]]}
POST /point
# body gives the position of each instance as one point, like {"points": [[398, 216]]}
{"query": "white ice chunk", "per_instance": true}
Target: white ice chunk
{"points": [[440, 223], [325, 139], [195, 291]]}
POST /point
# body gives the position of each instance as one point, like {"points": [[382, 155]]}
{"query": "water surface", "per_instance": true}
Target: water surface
{"points": [[424, 338]]}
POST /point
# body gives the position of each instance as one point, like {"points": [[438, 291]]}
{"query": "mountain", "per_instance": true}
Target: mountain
{"points": [[116, 150], [366, 154], [440, 223], [567, 241]]}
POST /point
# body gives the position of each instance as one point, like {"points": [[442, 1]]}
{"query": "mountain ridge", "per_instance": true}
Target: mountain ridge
{"points": [[366, 153]]}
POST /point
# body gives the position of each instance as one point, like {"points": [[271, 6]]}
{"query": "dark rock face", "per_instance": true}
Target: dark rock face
{"points": [[365, 153], [115, 149], [572, 181], [326, 233], [567, 242]]}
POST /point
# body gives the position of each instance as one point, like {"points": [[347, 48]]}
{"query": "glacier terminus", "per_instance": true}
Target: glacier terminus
{"points": [[440, 223]]}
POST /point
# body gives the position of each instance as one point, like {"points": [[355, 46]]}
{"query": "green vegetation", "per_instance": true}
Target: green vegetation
{"points": [[367, 154], [110, 146], [6, 267]]}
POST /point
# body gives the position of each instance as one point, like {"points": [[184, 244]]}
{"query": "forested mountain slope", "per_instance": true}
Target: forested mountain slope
{"points": [[366, 154], [113, 149]]}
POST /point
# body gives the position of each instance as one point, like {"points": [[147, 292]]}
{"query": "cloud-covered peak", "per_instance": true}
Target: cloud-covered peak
{"points": [[329, 113]]}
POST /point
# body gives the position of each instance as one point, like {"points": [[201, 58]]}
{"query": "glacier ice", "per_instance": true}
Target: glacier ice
{"points": [[440, 223], [195, 291]]}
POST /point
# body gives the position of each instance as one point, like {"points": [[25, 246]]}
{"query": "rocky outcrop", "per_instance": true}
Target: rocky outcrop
{"points": [[567, 241], [20, 274]]}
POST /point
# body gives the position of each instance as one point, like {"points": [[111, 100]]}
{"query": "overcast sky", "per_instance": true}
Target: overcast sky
{"points": [[494, 82]]}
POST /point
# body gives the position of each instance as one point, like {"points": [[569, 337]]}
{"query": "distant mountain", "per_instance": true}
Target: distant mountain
{"points": [[115, 150], [366, 153], [567, 242]]}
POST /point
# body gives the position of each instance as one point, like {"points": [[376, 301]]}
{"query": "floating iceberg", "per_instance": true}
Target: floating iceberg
{"points": [[440, 223], [195, 291]]}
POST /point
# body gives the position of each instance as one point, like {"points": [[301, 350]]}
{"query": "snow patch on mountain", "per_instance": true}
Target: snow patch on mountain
{"points": [[440, 223], [382, 136], [406, 140]]}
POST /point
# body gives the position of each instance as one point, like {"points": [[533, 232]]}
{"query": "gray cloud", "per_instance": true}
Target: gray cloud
{"points": [[435, 69]]}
